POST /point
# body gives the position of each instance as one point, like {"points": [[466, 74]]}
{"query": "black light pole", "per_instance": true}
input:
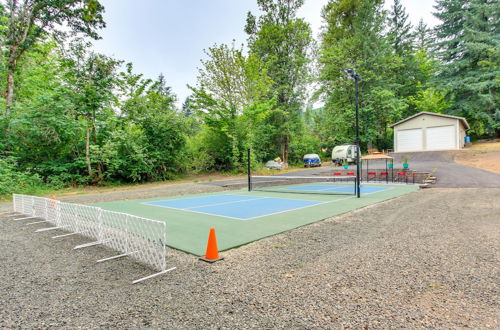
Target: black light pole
{"points": [[249, 173], [356, 78]]}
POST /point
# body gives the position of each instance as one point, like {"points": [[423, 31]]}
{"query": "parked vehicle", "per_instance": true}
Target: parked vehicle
{"points": [[345, 152], [312, 160], [273, 165]]}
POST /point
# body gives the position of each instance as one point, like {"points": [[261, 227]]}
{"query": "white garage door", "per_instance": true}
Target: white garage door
{"points": [[441, 138], [409, 140]]}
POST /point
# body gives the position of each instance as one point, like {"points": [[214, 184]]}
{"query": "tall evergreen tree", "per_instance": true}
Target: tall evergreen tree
{"points": [[423, 37], [470, 50], [400, 29], [282, 41]]}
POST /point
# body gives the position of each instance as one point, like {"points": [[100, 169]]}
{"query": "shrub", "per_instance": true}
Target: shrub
{"points": [[14, 181]]}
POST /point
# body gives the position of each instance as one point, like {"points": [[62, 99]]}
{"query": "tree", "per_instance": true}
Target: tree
{"points": [[92, 78], [407, 74], [353, 38], [283, 42], [187, 108], [400, 30], [423, 37], [29, 21], [229, 84], [469, 49]]}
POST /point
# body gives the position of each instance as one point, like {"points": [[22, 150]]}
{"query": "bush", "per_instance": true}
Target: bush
{"points": [[14, 181], [125, 157]]}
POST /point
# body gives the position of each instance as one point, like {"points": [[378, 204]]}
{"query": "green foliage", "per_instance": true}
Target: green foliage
{"points": [[12, 180], [125, 157], [429, 99], [470, 50], [29, 22], [400, 34], [283, 42], [353, 39], [231, 100]]}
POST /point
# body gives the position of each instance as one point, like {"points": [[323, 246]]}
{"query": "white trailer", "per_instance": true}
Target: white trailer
{"points": [[345, 152]]}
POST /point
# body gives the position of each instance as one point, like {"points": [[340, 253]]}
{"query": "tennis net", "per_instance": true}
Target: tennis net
{"points": [[325, 185]]}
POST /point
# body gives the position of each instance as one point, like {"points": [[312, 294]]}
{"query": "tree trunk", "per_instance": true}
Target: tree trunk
{"points": [[285, 150], [87, 152], [9, 93]]}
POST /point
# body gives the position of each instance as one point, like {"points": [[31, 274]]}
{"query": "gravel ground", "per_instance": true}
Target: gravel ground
{"points": [[428, 259]]}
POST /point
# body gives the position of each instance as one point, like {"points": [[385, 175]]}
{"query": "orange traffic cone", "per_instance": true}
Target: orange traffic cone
{"points": [[212, 254]]}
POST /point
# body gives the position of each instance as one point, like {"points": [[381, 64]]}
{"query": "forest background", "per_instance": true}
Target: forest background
{"points": [[70, 116]]}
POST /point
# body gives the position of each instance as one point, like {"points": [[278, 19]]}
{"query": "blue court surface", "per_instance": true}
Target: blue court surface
{"points": [[236, 206], [242, 207]]}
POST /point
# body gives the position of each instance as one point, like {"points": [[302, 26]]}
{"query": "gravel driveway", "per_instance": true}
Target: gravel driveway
{"points": [[449, 173], [428, 259]]}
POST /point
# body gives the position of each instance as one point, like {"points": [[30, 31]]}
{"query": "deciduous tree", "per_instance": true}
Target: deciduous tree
{"points": [[29, 21]]}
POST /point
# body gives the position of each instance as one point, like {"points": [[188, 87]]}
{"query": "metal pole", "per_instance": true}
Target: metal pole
{"points": [[249, 174], [392, 170], [358, 190], [386, 172]]}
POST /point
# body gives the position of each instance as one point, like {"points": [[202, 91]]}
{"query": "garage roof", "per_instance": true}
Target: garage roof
{"points": [[462, 119]]}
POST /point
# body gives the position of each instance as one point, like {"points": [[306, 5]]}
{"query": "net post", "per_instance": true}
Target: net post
{"points": [[249, 173]]}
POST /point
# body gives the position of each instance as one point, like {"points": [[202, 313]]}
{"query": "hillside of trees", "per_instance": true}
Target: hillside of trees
{"points": [[70, 116]]}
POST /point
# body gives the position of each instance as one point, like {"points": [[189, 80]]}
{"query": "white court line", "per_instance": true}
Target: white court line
{"points": [[180, 199], [267, 214], [224, 203], [333, 189], [212, 214], [279, 192], [374, 192], [300, 208], [213, 204], [333, 201], [237, 218]]}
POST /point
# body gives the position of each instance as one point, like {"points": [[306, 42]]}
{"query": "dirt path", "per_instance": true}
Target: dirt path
{"points": [[485, 156], [429, 259]]}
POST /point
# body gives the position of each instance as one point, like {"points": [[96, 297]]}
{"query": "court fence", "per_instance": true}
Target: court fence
{"points": [[139, 238]]}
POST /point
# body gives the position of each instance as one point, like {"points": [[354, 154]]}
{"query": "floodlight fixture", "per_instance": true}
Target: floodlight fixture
{"points": [[352, 74]]}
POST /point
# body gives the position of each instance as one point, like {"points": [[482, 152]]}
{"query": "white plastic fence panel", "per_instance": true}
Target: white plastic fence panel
{"points": [[88, 220], [18, 202], [53, 211], [27, 205], [147, 238], [114, 230], [67, 217], [143, 239], [40, 207]]}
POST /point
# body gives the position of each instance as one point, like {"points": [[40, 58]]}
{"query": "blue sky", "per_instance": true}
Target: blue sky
{"points": [[168, 36]]}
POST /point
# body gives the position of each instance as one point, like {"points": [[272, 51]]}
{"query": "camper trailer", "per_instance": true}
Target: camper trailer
{"points": [[345, 152]]}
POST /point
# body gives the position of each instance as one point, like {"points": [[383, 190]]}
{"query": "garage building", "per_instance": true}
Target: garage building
{"points": [[430, 131]]}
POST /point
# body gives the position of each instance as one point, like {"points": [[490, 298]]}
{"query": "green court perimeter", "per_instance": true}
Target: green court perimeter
{"points": [[187, 230]]}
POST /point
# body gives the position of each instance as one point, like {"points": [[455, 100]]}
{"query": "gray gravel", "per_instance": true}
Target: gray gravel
{"points": [[425, 260]]}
